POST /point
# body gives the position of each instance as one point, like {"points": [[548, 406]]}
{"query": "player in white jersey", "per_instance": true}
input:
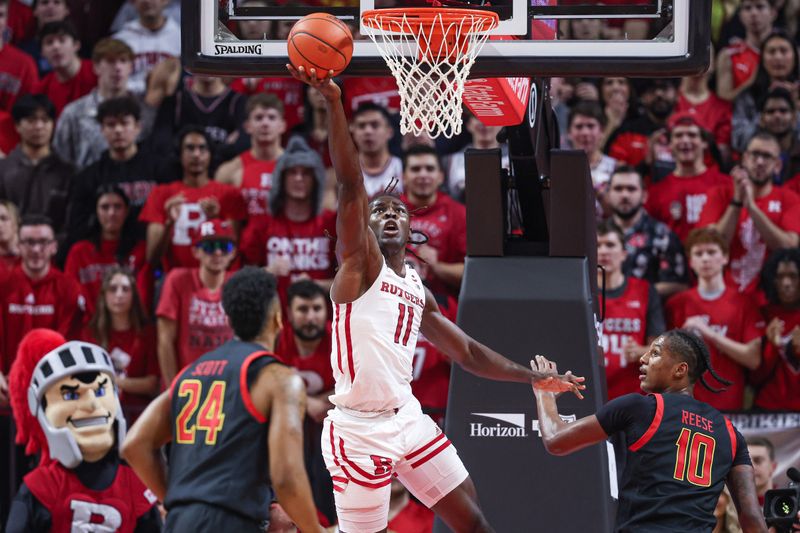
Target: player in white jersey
{"points": [[377, 428]]}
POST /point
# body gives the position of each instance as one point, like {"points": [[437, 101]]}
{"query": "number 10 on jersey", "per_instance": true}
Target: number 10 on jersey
{"points": [[696, 449]]}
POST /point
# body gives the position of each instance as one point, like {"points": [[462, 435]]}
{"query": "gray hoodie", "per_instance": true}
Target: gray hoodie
{"points": [[297, 154]]}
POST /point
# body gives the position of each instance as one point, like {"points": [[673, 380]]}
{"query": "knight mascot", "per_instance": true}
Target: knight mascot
{"points": [[67, 410]]}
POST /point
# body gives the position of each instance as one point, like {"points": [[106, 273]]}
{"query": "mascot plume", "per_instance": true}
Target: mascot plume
{"points": [[66, 408]]}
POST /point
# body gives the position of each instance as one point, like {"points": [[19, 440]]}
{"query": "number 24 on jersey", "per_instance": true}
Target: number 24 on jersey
{"points": [[210, 417]]}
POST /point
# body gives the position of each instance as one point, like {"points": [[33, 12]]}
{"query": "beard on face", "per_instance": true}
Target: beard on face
{"points": [[629, 214], [661, 108], [309, 332]]}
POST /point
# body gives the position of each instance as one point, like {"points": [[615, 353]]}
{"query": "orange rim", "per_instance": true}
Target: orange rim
{"points": [[425, 17]]}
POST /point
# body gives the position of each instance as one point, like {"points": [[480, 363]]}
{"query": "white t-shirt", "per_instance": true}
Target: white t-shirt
{"points": [[149, 48]]}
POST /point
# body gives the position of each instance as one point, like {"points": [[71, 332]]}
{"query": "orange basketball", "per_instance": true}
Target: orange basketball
{"points": [[320, 41]]}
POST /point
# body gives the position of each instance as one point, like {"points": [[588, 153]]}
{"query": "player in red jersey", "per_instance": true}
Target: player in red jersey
{"points": [[728, 321], [377, 429], [754, 217], [679, 199], [191, 320], [632, 318], [439, 217], [176, 210], [778, 377], [251, 171]]}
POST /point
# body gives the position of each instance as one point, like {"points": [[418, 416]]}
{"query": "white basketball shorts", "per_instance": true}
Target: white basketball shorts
{"points": [[364, 453]]}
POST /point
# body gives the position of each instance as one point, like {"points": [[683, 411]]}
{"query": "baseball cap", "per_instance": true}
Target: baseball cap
{"points": [[683, 118], [213, 230]]}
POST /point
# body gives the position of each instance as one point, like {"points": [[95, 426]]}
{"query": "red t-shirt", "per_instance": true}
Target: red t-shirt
{"points": [[202, 324], [305, 244], [87, 265], [714, 115], [179, 254], [778, 377], [63, 92], [54, 302], [445, 224], [315, 369], [72, 506], [414, 518], [9, 137], [379, 90], [256, 184], [732, 315], [18, 75], [748, 250], [744, 62], [625, 321], [289, 90], [134, 354], [679, 202]]}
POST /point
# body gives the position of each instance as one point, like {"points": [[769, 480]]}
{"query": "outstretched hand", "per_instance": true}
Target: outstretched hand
{"points": [[546, 378], [324, 85]]}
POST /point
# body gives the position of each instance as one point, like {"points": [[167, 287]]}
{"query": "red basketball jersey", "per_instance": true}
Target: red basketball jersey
{"points": [[625, 321]]}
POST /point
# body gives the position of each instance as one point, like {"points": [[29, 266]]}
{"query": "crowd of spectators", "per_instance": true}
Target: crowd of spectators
{"points": [[130, 190]]}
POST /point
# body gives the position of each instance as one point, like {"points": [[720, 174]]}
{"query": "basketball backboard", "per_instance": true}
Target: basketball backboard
{"points": [[534, 38]]}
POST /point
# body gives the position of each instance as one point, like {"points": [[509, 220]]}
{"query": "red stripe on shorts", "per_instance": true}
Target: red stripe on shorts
{"points": [[420, 450], [338, 343], [347, 473], [431, 455], [358, 468], [349, 342]]}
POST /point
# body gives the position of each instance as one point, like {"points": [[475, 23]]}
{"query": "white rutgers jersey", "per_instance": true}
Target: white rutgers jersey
{"points": [[373, 343]]}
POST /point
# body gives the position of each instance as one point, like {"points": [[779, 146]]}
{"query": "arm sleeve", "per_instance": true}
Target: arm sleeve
{"points": [[27, 513], [655, 316], [627, 414], [153, 209]]}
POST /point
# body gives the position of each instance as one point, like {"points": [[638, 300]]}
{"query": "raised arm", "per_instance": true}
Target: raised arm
{"points": [[481, 360], [356, 246], [560, 438]]}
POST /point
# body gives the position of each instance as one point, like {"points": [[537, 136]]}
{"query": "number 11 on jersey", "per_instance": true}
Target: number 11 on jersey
{"points": [[405, 311]]}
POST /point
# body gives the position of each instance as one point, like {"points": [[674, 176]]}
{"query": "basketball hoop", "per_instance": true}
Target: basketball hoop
{"points": [[430, 52]]}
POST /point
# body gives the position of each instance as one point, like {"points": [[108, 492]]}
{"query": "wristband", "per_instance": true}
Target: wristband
{"points": [[737, 203]]}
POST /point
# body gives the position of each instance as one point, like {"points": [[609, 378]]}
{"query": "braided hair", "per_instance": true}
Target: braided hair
{"points": [[691, 349]]}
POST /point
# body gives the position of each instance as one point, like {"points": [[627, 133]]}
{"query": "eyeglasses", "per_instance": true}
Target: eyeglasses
{"points": [[33, 243], [211, 247], [766, 156]]}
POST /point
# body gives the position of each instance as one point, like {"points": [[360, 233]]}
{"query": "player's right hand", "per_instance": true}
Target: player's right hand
{"points": [[325, 86], [546, 378]]}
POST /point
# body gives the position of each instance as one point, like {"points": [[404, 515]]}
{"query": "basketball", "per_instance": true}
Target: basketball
{"points": [[320, 41]]}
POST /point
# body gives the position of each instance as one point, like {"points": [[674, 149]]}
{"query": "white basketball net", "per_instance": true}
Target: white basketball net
{"points": [[430, 62]]}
